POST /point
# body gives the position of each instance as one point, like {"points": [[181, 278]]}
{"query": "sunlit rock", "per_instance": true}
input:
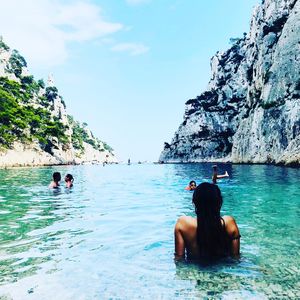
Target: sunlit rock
{"points": [[251, 110]]}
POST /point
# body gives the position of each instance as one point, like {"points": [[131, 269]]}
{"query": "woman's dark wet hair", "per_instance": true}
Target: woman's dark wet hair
{"points": [[211, 238], [56, 176], [192, 182], [70, 177]]}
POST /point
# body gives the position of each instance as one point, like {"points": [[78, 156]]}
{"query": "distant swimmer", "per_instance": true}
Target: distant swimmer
{"points": [[128, 162], [192, 186], [69, 180], [56, 179], [215, 175]]}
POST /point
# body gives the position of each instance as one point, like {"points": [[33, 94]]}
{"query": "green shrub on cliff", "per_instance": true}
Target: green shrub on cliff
{"points": [[41, 83], [20, 121], [26, 111], [17, 62], [81, 134], [3, 45], [107, 147]]}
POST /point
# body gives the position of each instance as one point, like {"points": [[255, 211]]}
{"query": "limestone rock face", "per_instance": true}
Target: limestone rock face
{"points": [[250, 112], [77, 145]]}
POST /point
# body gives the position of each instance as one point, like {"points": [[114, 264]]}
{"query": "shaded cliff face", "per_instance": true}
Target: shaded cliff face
{"points": [[34, 126], [251, 110]]}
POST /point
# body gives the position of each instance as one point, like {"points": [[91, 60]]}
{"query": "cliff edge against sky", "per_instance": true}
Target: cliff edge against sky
{"points": [[34, 126], [250, 112]]}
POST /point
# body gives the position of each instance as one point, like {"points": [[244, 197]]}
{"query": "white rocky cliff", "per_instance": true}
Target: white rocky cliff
{"points": [[250, 112], [34, 126]]}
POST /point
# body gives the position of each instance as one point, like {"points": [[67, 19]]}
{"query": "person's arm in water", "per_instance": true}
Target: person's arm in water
{"points": [[223, 176], [233, 233], [216, 176], [179, 241]]}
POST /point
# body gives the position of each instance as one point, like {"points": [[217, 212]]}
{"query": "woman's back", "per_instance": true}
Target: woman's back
{"points": [[186, 232], [209, 235]]}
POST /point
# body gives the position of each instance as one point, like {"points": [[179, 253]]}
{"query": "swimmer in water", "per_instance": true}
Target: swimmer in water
{"points": [[56, 179], [215, 175], [209, 235], [69, 180], [192, 186]]}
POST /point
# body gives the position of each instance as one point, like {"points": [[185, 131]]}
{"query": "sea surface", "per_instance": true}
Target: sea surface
{"points": [[111, 236]]}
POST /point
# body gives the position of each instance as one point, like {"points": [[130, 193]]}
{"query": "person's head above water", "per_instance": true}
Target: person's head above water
{"points": [[192, 184], [56, 176], [69, 180], [209, 235], [69, 177], [208, 200]]}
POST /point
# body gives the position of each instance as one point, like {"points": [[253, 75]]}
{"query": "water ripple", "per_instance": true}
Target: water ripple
{"points": [[111, 236]]}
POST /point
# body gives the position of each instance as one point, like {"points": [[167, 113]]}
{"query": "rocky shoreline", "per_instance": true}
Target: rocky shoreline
{"points": [[291, 165], [23, 155]]}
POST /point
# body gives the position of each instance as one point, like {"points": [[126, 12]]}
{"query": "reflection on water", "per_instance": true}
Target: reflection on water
{"points": [[111, 236]]}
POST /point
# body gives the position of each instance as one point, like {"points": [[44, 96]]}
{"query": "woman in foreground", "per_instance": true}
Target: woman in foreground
{"points": [[209, 236]]}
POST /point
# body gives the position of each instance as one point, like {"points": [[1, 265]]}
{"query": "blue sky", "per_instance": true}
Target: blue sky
{"points": [[126, 67]]}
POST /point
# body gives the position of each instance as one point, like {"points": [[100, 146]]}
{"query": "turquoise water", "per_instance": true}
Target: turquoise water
{"points": [[111, 236]]}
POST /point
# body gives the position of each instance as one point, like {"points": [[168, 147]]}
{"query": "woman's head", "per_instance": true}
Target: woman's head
{"points": [[69, 177], [56, 176], [207, 199], [192, 185]]}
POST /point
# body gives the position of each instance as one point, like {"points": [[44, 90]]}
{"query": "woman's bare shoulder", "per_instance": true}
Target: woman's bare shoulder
{"points": [[186, 221], [231, 226], [228, 219]]}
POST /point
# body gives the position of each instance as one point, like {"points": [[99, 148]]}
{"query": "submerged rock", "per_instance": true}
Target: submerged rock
{"points": [[251, 110]]}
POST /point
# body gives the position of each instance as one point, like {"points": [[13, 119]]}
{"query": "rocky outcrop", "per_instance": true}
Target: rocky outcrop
{"points": [[35, 128], [25, 155], [250, 112]]}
